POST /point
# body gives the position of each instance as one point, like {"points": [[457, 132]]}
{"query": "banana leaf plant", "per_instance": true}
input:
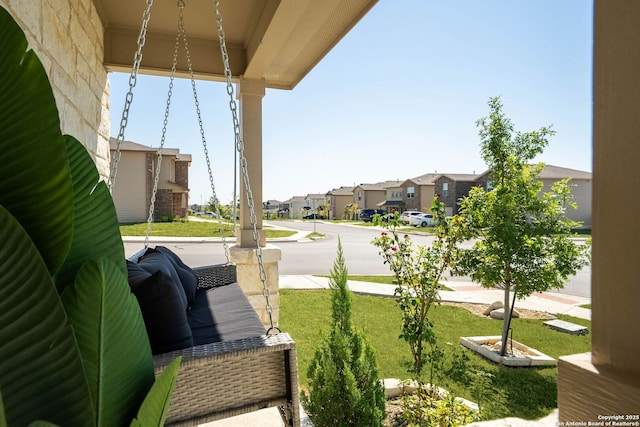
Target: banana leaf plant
{"points": [[73, 345]]}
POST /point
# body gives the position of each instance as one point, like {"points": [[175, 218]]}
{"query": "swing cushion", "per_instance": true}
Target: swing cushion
{"points": [[223, 313], [153, 261], [188, 277], [162, 309]]}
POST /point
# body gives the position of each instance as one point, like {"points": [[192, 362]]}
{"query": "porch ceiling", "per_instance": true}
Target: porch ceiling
{"points": [[278, 40]]}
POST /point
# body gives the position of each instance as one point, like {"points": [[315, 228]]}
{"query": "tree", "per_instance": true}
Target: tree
{"points": [[344, 389], [523, 236]]}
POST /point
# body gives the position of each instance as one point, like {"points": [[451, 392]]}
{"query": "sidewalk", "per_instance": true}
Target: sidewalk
{"points": [[463, 292]]}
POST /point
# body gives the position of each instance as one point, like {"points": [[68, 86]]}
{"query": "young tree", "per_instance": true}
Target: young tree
{"points": [[419, 270], [344, 389], [523, 236]]}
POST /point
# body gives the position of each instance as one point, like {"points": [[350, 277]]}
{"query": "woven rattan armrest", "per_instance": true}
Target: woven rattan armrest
{"points": [[211, 276], [224, 379]]}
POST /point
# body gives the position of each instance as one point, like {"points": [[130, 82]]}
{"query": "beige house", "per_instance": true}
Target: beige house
{"points": [[275, 44], [314, 202], [372, 196], [136, 177], [338, 200], [294, 207], [581, 189]]}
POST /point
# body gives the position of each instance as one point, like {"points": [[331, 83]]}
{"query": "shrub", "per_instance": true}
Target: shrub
{"points": [[343, 374]]}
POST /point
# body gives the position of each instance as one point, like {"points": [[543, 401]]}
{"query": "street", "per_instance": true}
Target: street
{"points": [[317, 256]]}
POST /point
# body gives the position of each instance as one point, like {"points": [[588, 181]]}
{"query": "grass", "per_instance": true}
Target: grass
{"points": [[586, 306], [531, 392], [191, 229], [314, 236]]}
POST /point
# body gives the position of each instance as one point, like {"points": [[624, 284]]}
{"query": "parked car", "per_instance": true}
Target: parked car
{"points": [[366, 215], [313, 216], [406, 215], [208, 214], [423, 220]]}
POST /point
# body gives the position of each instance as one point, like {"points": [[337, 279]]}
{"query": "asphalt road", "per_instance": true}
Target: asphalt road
{"points": [[317, 256]]}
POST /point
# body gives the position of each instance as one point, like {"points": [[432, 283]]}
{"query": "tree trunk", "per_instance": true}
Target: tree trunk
{"points": [[506, 322]]}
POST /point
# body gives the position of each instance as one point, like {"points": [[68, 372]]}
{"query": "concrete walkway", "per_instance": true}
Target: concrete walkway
{"points": [[462, 291]]}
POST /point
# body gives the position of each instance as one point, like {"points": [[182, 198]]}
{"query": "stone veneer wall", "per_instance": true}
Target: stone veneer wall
{"points": [[67, 36]]}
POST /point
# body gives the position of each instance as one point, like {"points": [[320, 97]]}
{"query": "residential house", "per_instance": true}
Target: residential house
{"points": [[339, 199], [371, 196], [271, 208], [418, 192], [581, 188], [315, 202], [393, 201], [136, 177], [293, 208], [452, 187]]}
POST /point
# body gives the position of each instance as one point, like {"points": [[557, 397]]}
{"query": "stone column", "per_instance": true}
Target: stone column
{"points": [[250, 93], [606, 382], [245, 253], [249, 278]]}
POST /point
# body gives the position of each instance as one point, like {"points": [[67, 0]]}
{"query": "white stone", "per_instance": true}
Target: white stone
{"points": [[499, 314], [493, 306]]}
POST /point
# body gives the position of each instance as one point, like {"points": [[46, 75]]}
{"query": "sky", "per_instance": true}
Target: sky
{"points": [[397, 97]]}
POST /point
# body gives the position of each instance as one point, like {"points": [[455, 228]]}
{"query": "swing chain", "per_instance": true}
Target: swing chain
{"points": [[156, 179], [181, 30], [137, 59], [243, 164]]}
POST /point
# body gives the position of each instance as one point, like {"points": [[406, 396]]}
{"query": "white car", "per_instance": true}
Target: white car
{"points": [[406, 215], [422, 220]]}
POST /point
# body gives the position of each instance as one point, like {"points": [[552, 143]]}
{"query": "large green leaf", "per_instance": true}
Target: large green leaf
{"points": [[3, 418], [112, 339], [153, 411], [41, 373], [95, 227], [34, 178]]}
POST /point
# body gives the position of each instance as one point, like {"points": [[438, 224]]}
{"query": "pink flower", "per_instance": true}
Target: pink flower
{"points": [[394, 248], [383, 233]]}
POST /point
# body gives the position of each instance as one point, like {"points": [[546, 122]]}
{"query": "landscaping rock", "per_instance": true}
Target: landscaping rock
{"points": [[493, 306], [499, 314]]}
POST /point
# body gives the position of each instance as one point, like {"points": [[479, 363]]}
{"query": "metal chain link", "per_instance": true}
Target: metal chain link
{"points": [[182, 31], [243, 165], [164, 133], [137, 59]]}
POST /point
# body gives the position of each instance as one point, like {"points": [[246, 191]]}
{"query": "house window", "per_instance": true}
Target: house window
{"points": [[490, 185], [445, 189], [359, 195], [411, 192]]}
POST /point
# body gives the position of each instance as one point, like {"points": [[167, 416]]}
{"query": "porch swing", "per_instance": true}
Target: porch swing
{"points": [[225, 377]]}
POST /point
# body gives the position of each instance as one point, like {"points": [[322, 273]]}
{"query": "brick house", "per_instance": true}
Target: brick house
{"points": [[135, 179], [452, 187], [417, 193]]}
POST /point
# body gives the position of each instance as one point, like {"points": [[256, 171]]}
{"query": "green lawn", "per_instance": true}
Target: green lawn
{"points": [[190, 229], [531, 391]]}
